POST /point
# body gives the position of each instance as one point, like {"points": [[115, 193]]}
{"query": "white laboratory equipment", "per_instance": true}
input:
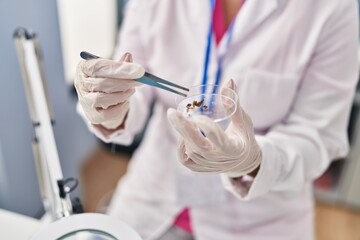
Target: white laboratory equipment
{"points": [[66, 220], [90, 25]]}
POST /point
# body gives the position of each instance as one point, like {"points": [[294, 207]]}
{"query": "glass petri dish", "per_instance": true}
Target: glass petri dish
{"points": [[219, 106]]}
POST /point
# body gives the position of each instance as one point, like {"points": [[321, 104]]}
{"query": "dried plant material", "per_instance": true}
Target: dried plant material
{"points": [[195, 104], [198, 104], [188, 107]]}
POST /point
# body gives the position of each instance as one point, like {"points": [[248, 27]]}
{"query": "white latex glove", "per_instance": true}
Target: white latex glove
{"points": [[234, 151], [104, 88]]}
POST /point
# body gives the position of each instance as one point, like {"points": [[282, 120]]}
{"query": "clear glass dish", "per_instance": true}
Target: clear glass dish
{"points": [[219, 106]]}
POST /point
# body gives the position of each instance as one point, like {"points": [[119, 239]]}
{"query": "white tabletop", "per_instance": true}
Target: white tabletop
{"points": [[17, 226]]}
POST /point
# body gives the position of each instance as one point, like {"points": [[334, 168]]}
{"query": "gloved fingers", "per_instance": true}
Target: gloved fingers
{"points": [[242, 124], [240, 119], [107, 85], [224, 146], [241, 170], [85, 80], [202, 169], [107, 68], [183, 157], [229, 104], [221, 155], [212, 131], [194, 153], [211, 160], [186, 157], [106, 100], [109, 118], [229, 84], [127, 57], [79, 76], [227, 96], [113, 116], [181, 151], [195, 167], [188, 130], [113, 111]]}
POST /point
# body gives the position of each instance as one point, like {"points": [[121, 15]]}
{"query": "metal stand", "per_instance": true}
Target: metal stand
{"points": [[53, 188]]}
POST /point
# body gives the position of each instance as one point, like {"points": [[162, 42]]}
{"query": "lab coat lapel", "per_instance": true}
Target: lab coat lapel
{"points": [[252, 14], [200, 19]]}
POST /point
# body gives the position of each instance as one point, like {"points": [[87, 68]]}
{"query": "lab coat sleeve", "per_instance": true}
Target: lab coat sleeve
{"points": [[299, 149], [130, 40]]}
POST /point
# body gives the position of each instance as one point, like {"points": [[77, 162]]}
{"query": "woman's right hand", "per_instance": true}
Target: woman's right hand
{"points": [[104, 88]]}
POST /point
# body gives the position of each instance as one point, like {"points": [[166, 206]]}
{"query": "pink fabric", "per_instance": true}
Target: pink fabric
{"points": [[219, 25], [183, 221]]}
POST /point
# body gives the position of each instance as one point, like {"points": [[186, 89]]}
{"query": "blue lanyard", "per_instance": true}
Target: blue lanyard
{"points": [[208, 52]]}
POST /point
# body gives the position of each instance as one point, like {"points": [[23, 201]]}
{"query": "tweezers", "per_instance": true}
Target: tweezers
{"points": [[148, 78]]}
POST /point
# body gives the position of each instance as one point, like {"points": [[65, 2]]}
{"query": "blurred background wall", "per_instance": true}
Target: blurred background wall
{"points": [[18, 184]]}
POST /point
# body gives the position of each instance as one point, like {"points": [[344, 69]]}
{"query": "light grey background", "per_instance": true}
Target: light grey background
{"points": [[18, 183]]}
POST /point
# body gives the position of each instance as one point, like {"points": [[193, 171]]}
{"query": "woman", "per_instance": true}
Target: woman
{"points": [[295, 67]]}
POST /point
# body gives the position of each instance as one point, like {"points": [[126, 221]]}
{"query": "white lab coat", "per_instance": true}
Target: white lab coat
{"points": [[295, 65]]}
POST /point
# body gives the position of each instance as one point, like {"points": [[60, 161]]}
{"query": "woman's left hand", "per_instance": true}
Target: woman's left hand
{"points": [[234, 151]]}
